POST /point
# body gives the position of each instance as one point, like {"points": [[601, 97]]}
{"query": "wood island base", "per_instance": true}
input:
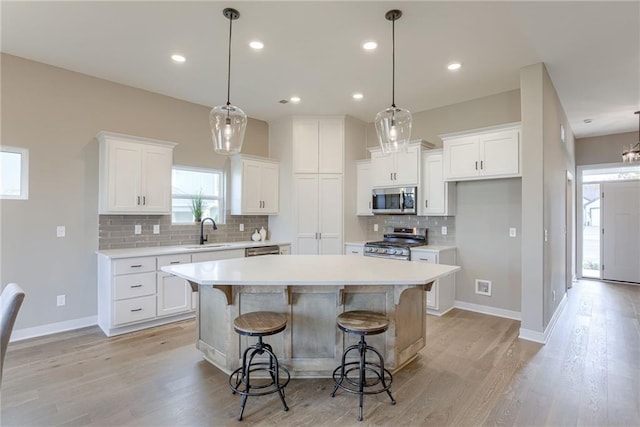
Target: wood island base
{"points": [[311, 346]]}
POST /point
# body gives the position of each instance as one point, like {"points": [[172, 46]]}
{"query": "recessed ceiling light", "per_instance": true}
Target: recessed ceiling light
{"points": [[178, 58], [358, 96], [588, 120], [295, 99], [369, 45], [256, 45], [454, 66]]}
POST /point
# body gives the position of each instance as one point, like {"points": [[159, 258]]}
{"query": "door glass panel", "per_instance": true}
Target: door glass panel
{"points": [[591, 230]]}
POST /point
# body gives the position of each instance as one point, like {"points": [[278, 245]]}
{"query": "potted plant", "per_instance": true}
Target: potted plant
{"points": [[197, 205]]}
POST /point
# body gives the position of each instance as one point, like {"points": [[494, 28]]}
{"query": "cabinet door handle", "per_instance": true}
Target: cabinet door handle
{"points": [[144, 200], [481, 164], [354, 252], [138, 200], [136, 286], [395, 176], [476, 165], [174, 262], [426, 203], [136, 309], [369, 205], [136, 266], [424, 259]]}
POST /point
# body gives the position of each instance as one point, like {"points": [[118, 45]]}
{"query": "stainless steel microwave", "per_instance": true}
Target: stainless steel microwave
{"points": [[397, 200]]}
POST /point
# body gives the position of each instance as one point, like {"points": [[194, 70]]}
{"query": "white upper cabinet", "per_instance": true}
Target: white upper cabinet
{"points": [[363, 189], [396, 169], [254, 185], [436, 197], [318, 145], [134, 175], [483, 153]]}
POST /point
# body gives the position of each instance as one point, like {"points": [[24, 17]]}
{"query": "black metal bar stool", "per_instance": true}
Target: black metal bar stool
{"points": [[242, 380], [379, 379]]}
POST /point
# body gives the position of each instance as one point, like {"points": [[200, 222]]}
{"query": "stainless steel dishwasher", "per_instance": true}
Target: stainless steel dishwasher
{"points": [[262, 250]]}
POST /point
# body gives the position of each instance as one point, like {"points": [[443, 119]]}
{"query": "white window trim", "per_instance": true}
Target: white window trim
{"points": [[223, 189], [24, 172]]}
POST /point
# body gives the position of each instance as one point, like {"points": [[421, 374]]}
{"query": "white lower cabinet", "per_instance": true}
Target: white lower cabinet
{"points": [[134, 293], [441, 297]]}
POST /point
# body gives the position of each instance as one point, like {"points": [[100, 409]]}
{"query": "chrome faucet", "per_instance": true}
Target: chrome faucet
{"points": [[202, 238]]}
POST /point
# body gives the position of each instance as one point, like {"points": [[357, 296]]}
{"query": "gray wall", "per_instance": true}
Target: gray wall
{"points": [[603, 149], [56, 114], [486, 211], [547, 160]]}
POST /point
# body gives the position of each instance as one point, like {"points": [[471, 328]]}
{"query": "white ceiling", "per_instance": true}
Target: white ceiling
{"points": [[313, 50]]}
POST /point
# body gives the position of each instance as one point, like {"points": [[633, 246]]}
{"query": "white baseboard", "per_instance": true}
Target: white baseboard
{"points": [[52, 328], [543, 337], [485, 309]]}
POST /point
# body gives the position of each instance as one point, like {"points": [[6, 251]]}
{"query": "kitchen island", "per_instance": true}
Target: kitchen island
{"points": [[311, 290]]}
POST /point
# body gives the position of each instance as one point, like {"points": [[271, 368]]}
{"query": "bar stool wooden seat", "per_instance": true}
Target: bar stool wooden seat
{"points": [[243, 381], [378, 379]]}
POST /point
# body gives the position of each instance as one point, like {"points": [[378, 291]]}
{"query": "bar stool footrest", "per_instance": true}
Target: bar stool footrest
{"points": [[352, 385], [238, 385]]}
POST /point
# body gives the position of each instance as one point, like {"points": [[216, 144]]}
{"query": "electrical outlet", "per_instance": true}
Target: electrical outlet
{"points": [[156, 228], [241, 227], [443, 230], [61, 231], [137, 229], [512, 232], [375, 227], [61, 300]]}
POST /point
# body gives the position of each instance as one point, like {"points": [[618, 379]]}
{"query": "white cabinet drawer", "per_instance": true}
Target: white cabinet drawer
{"points": [[420, 256], [134, 285], [165, 260], [134, 310], [134, 265], [354, 250]]}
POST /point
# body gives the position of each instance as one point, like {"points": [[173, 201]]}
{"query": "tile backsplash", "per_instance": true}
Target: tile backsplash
{"points": [[434, 224], [117, 231]]}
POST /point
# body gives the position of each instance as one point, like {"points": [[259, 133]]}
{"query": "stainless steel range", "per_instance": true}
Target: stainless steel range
{"points": [[396, 245]]}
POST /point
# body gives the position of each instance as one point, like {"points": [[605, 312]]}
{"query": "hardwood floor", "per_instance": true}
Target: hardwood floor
{"points": [[474, 371]]}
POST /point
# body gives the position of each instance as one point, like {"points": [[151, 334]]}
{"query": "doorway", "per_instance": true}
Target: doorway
{"points": [[609, 217]]}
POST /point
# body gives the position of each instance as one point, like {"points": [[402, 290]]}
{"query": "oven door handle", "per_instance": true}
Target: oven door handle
{"points": [[385, 256]]}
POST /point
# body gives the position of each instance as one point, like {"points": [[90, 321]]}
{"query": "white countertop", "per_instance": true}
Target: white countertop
{"points": [[310, 270], [192, 248]]}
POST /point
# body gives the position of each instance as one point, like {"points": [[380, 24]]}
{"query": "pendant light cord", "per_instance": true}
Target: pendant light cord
{"points": [[393, 62], [229, 63]]}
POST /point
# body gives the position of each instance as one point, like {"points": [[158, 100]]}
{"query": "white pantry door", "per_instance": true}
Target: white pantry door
{"points": [[621, 231]]}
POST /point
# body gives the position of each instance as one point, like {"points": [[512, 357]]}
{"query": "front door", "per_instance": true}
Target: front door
{"points": [[621, 231]]}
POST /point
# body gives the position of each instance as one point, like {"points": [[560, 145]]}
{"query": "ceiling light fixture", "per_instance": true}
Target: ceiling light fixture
{"points": [[370, 45], [632, 154], [393, 125], [295, 99], [454, 66], [228, 122], [256, 45], [358, 96], [178, 58]]}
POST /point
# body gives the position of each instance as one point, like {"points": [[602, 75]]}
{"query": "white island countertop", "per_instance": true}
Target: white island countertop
{"points": [[310, 270]]}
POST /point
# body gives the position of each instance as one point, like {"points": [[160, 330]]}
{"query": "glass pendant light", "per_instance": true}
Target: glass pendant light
{"points": [[632, 154], [393, 125], [228, 122]]}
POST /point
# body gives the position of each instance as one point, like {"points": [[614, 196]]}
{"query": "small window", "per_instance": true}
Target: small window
{"points": [[190, 182], [14, 173]]}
